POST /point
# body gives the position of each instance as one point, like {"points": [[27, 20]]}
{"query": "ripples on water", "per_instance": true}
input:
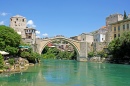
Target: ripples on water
{"points": [[69, 73]]}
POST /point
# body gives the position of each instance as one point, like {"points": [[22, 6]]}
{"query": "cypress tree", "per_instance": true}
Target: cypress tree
{"points": [[125, 16]]}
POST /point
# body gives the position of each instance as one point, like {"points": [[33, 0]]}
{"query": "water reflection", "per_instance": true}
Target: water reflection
{"points": [[69, 73]]}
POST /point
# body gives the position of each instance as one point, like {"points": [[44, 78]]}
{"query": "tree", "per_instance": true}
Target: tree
{"points": [[119, 48], [125, 16], [1, 62], [9, 39]]}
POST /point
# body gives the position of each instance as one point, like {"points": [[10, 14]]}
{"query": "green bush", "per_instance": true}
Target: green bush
{"points": [[11, 61], [1, 61]]}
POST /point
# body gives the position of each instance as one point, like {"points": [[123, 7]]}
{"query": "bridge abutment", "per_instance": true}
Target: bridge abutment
{"points": [[83, 52]]}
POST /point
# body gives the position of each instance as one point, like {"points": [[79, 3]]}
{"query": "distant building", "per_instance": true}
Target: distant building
{"points": [[19, 24], [99, 39], [119, 27], [100, 35], [111, 19], [88, 38]]}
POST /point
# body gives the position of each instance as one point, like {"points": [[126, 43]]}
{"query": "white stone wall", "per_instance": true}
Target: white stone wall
{"points": [[129, 16]]}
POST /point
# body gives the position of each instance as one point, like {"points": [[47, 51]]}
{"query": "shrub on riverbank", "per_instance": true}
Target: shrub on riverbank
{"points": [[1, 62], [119, 49], [32, 57], [11, 61]]}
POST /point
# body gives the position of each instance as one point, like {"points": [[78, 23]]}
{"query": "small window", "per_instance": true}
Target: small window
{"points": [[17, 19], [123, 27], [127, 26], [102, 38], [114, 28], [118, 28], [118, 35], [23, 20], [114, 35], [29, 36], [10, 19]]}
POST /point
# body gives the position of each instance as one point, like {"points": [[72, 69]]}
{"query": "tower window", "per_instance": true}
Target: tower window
{"points": [[23, 20], [17, 19]]}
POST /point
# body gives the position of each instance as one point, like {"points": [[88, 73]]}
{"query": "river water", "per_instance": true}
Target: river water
{"points": [[69, 73]]}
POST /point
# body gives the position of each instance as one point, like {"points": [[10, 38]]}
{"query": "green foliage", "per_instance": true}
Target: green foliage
{"points": [[120, 47], [31, 57], [11, 61], [91, 54], [25, 54], [54, 53], [9, 39], [1, 62], [102, 54], [11, 50]]}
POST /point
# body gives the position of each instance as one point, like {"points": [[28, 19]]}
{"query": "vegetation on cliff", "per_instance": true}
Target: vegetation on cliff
{"points": [[54, 53], [10, 42]]}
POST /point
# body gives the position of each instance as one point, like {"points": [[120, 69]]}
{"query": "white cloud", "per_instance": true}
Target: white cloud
{"points": [[3, 14], [2, 23], [30, 23], [37, 36], [37, 32], [45, 34]]}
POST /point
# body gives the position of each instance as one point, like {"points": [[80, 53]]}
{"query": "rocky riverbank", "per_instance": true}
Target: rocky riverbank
{"points": [[20, 64], [97, 59]]}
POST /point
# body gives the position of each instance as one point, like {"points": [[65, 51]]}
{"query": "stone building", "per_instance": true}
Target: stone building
{"points": [[99, 39], [87, 38], [19, 24], [111, 19], [119, 27]]}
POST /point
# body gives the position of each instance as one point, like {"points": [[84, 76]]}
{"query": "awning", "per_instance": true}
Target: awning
{"points": [[3, 53], [24, 47]]}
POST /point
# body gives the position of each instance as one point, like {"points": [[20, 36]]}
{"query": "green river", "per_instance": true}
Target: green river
{"points": [[69, 73]]}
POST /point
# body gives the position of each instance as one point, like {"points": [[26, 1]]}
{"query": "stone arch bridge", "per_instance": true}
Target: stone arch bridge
{"points": [[80, 46]]}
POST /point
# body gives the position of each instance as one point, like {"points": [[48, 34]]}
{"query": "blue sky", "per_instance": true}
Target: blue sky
{"points": [[63, 17]]}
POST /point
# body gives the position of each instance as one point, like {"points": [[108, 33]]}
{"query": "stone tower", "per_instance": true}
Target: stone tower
{"points": [[109, 20], [18, 23], [113, 18]]}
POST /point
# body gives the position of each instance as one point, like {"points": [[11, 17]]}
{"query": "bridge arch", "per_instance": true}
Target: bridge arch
{"points": [[41, 43]]}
